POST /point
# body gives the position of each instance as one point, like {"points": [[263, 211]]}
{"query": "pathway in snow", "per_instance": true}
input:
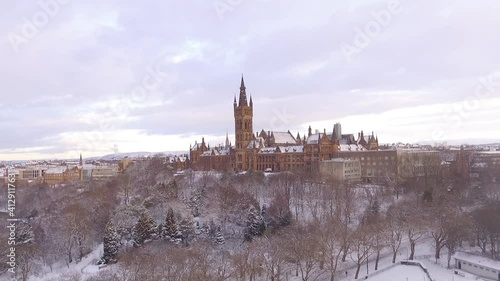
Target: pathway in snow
{"points": [[86, 267]]}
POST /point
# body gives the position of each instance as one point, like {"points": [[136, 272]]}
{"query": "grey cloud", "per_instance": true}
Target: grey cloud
{"points": [[94, 52]]}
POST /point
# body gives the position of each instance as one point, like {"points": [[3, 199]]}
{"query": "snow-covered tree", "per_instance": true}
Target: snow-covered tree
{"points": [[219, 238], [144, 230], [24, 233], [255, 225], [169, 227], [111, 244], [195, 201], [185, 230]]}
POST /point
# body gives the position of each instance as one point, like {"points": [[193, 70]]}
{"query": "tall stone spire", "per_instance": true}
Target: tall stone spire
{"points": [[243, 93], [81, 160], [227, 140]]}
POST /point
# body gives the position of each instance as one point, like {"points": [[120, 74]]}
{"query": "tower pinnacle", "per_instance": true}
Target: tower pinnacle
{"points": [[243, 93]]}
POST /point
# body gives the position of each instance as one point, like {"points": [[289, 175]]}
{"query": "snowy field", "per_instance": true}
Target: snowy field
{"points": [[402, 273], [415, 273]]}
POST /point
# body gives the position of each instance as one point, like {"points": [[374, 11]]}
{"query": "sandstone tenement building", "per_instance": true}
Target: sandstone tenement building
{"points": [[274, 151]]}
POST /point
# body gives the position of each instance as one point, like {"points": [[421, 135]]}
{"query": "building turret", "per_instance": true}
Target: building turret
{"points": [[243, 93], [243, 123]]}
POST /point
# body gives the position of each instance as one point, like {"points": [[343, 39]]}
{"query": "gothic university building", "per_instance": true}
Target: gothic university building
{"points": [[274, 151]]}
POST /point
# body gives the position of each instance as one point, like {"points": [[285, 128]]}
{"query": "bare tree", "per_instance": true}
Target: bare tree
{"points": [[380, 239], [25, 260], [362, 245], [331, 238], [458, 230], [272, 258], [415, 222], [395, 228], [302, 249]]}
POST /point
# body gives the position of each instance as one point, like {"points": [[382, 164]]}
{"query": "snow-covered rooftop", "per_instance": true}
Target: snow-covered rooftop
{"points": [[267, 150], [283, 138], [216, 151], [56, 170], [313, 139], [351, 147], [292, 149], [488, 153], [479, 260], [256, 142]]}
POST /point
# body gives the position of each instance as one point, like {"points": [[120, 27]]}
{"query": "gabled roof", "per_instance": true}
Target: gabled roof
{"points": [[196, 146], [256, 143], [283, 138], [314, 138], [217, 151]]}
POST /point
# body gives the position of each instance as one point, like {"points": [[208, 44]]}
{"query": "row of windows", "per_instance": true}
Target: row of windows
{"points": [[378, 158], [351, 171], [480, 267], [375, 163]]}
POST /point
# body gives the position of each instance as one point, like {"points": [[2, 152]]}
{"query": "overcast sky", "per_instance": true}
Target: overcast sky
{"points": [[100, 77]]}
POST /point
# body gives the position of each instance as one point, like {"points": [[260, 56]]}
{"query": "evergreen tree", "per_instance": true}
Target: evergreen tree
{"points": [[169, 227], [219, 238], [185, 230], [174, 188], [111, 244], [145, 229], [196, 201], [375, 208], [255, 225], [263, 211]]}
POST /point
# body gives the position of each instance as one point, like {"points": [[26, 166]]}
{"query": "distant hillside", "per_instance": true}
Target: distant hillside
{"points": [[119, 156]]}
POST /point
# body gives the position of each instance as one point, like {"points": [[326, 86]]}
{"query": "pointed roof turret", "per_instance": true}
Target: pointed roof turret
{"points": [[227, 140], [251, 102], [234, 103], [243, 93]]}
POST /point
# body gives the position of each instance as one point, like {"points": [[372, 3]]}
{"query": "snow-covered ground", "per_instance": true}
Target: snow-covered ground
{"points": [[86, 268], [402, 273]]}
